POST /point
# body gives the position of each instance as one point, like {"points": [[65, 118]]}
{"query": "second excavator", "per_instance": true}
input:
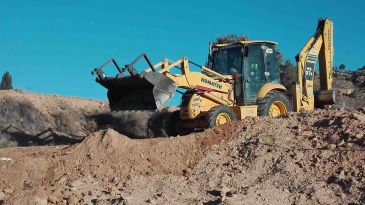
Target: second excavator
{"points": [[240, 79]]}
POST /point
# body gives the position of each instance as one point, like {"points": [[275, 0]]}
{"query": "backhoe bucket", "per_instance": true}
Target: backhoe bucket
{"points": [[146, 91]]}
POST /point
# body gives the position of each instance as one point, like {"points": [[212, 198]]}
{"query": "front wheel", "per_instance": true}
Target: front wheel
{"points": [[274, 104], [220, 115]]}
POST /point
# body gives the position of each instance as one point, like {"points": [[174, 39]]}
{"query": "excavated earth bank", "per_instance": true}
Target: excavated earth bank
{"points": [[302, 158]]}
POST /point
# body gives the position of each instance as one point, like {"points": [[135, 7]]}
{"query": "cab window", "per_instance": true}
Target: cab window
{"points": [[227, 60]]}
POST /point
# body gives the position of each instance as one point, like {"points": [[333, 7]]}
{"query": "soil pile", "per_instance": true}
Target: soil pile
{"points": [[302, 158]]}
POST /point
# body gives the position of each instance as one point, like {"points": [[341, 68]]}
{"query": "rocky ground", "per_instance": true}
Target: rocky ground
{"points": [[301, 158]]}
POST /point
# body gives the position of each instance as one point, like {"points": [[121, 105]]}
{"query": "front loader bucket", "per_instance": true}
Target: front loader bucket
{"points": [[146, 91]]}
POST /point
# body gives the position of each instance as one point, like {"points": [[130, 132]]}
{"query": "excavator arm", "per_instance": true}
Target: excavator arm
{"points": [[318, 47]]}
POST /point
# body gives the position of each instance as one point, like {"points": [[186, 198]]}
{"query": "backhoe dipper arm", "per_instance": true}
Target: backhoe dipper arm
{"points": [[319, 46]]}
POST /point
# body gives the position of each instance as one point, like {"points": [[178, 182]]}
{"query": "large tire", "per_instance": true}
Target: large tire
{"points": [[219, 115], [274, 104], [174, 125]]}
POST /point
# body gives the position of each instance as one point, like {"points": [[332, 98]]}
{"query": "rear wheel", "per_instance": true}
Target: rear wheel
{"points": [[274, 104], [220, 115]]}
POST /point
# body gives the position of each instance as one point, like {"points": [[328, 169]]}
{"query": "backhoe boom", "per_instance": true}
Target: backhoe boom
{"points": [[319, 46]]}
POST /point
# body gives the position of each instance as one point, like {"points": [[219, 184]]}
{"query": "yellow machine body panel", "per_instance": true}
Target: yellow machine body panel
{"points": [[245, 111], [195, 106]]}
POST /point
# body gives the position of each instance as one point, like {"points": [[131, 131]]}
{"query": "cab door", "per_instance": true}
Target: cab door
{"points": [[253, 72]]}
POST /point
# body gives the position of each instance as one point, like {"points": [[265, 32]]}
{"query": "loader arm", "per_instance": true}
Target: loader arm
{"points": [[318, 47], [188, 79], [211, 87], [152, 88]]}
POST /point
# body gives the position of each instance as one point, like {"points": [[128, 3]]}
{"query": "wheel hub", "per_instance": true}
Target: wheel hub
{"points": [[277, 108], [222, 118]]}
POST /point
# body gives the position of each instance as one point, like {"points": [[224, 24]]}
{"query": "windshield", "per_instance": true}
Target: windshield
{"points": [[226, 60]]}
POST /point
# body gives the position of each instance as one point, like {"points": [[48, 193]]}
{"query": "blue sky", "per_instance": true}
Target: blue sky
{"points": [[51, 46]]}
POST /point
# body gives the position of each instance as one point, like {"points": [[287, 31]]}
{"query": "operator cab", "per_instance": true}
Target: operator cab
{"points": [[250, 63]]}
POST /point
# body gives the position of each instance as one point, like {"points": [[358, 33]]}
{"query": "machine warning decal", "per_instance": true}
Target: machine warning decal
{"points": [[309, 71], [312, 58], [215, 84], [312, 55]]}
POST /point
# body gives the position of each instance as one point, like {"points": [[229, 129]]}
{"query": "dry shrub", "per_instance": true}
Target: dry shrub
{"points": [[21, 114], [91, 125], [65, 123]]}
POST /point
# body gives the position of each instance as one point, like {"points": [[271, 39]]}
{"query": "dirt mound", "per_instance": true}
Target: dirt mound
{"points": [[126, 157], [303, 158], [274, 161], [102, 158]]}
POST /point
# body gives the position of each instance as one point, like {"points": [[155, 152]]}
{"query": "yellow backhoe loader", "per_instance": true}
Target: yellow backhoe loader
{"points": [[240, 79]]}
